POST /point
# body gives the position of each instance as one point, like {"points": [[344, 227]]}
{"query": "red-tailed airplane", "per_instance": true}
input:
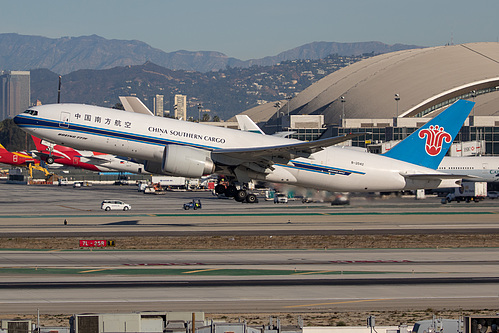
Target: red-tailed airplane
{"points": [[21, 159], [16, 158], [88, 160]]}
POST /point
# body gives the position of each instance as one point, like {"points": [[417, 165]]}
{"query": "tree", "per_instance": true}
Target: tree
{"points": [[13, 138], [216, 119], [206, 117], [119, 106]]}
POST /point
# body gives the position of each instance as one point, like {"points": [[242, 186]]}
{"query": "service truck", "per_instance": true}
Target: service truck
{"points": [[170, 181], [468, 191]]}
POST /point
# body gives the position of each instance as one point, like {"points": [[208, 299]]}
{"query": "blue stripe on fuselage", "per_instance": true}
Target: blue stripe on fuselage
{"points": [[50, 124], [298, 165], [28, 121]]}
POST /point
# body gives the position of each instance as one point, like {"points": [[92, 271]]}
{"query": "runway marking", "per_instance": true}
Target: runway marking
{"points": [[96, 270], [314, 272], [202, 270], [81, 210], [32, 216], [343, 302]]}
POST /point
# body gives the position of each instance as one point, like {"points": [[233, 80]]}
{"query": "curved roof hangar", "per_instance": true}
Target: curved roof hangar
{"points": [[425, 79]]}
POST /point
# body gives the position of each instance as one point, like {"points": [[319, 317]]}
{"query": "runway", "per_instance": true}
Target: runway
{"points": [[252, 280], [41, 211], [104, 280]]}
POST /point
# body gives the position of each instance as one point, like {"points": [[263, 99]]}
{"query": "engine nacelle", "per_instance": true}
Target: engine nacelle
{"points": [[153, 167], [187, 161]]}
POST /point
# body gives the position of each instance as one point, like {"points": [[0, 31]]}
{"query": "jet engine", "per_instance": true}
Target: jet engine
{"points": [[186, 161]]}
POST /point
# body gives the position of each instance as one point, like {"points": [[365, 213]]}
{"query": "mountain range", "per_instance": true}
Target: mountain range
{"points": [[68, 54]]}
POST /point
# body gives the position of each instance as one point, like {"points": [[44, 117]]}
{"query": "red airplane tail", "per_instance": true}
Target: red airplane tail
{"points": [[2, 149], [38, 143]]}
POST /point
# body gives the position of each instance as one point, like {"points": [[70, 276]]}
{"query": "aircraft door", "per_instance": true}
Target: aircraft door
{"points": [[14, 158], [65, 118]]}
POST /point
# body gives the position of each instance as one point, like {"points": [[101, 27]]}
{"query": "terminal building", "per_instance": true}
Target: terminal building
{"points": [[390, 95]]}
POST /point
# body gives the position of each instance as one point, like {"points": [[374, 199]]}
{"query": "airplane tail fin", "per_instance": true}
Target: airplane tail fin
{"points": [[2, 149], [428, 145], [38, 143]]}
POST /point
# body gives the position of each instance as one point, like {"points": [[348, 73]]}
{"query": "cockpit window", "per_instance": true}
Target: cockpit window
{"points": [[32, 112]]}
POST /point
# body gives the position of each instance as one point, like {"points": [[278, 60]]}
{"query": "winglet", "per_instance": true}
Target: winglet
{"points": [[246, 124], [134, 104], [428, 145]]}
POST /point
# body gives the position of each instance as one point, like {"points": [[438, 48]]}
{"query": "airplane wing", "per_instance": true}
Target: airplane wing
{"points": [[436, 176], [96, 160], [46, 154], [268, 155]]}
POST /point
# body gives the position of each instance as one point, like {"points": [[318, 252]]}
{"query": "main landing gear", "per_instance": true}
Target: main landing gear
{"points": [[240, 195]]}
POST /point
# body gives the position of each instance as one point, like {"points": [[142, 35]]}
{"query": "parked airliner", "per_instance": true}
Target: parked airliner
{"points": [[89, 160], [482, 168], [16, 158], [189, 149]]}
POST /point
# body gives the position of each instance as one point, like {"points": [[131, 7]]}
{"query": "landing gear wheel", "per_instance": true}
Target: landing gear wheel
{"points": [[219, 189], [251, 198], [50, 160], [230, 191], [240, 195]]}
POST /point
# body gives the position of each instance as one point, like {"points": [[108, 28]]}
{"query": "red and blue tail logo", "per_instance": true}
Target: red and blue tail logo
{"points": [[435, 136], [428, 146]]}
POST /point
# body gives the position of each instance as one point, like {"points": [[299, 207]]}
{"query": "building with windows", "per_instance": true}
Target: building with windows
{"points": [[14, 93], [180, 107], [158, 106]]}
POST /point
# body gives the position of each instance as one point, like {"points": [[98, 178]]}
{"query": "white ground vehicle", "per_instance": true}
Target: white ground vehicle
{"points": [[469, 191], [281, 198], [493, 194], [114, 205]]}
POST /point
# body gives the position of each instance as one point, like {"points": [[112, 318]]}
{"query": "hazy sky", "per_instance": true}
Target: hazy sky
{"points": [[256, 28]]}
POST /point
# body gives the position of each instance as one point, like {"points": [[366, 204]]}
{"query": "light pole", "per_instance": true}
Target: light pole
{"points": [[277, 105], [397, 99], [289, 117], [343, 110], [199, 112], [473, 94]]}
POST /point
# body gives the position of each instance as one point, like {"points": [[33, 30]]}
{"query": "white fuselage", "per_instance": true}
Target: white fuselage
{"points": [[144, 137], [484, 168]]}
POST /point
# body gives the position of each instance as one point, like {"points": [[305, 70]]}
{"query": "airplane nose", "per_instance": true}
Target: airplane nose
{"points": [[17, 120]]}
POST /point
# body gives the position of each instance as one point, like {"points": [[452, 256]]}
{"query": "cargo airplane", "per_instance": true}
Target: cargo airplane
{"points": [[181, 148], [89, 160], [475, 168]]}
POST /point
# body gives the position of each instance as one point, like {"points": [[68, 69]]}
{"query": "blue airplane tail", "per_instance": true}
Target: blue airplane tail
{"points": [[428, 145]]}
